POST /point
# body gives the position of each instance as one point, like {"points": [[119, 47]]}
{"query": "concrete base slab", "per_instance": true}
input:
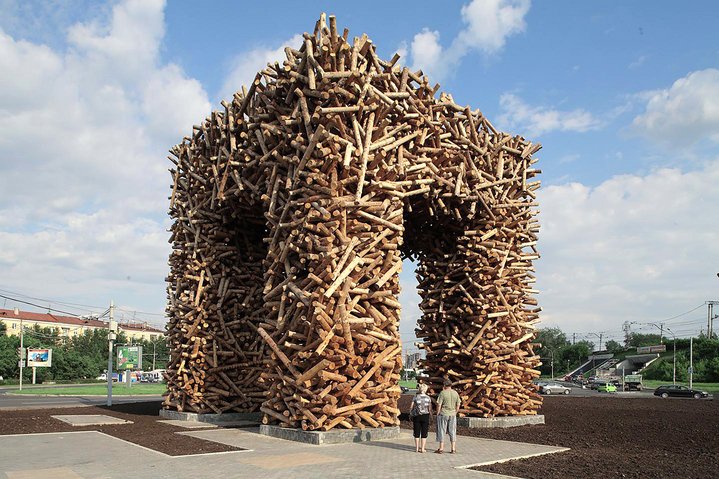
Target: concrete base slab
{"points": [[91, 420], [187, 424], [206, 425], [336, 436], [503, 421], [236, 418]]}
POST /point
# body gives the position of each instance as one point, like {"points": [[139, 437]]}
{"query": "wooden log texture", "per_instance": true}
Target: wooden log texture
{"points": [[293, 209]]}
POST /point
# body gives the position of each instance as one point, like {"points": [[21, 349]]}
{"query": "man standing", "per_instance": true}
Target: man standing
{"points": [[447, 407]]}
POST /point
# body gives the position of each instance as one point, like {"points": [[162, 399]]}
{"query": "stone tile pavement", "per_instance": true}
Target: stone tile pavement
{"points": [[92, 454]]}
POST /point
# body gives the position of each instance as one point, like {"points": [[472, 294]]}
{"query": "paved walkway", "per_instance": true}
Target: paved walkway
{"points": [[92, 454]]}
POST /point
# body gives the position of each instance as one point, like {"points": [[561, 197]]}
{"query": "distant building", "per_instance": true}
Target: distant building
{"points": [[72, 326], [411, 360]]}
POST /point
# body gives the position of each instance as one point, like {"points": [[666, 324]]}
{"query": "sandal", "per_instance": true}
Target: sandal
{"points": [[453, 452], [439, 451]]}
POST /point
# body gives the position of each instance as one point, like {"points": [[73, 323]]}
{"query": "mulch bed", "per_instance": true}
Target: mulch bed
{"points": [[145, 430], [615, 437]]}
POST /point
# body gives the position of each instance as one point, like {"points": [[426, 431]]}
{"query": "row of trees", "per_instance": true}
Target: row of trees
{"points": [[85, 356], [73, 358], [705, 361], [567, 356]]}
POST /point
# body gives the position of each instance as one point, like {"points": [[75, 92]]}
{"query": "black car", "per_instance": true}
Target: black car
{"points": [[675, 390]]}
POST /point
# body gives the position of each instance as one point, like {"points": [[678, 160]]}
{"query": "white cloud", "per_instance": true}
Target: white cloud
{"points": [[537, 120], [685, 113], [246, 65], [632, 248], [488, 24], [427, 52], [84, 131]]}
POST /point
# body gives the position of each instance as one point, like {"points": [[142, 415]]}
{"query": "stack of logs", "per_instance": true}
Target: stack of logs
{"points": [[293, 209]]}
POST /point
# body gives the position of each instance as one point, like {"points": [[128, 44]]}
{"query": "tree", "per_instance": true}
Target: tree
{"points": [[638, 339], [614, 347], [8, 356], [551, 339], [3, 328]]}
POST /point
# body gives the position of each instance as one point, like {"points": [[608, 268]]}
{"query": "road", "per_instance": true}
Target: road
{"points": [[16, 401]]}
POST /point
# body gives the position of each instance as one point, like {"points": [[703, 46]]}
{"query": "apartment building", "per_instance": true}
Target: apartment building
{"points": [[72, 326]]}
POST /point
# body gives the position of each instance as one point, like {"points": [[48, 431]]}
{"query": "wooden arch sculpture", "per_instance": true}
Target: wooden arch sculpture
{"points": [[293, 208]]}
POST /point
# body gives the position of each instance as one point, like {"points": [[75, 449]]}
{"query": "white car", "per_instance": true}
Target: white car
{"points": [[553, 388]]}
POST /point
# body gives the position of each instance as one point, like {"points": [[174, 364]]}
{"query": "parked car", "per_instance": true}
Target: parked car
{"points": [[553, 388], [154, 376], [608, 387], [675, 390], [103, 377]]}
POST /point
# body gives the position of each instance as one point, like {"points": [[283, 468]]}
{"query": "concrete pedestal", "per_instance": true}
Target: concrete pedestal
{"points": [[335, 436], [502, 421], [231, 417]]}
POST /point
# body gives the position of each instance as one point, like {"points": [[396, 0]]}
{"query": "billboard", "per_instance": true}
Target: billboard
{"points": [[659, 348], [129, 357], [41, 358]]}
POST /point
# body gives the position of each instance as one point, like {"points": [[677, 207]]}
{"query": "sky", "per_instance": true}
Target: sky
{"points": [[623, 96]]}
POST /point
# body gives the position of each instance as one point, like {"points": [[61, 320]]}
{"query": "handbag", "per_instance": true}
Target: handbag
{"points": [[414, 411]]}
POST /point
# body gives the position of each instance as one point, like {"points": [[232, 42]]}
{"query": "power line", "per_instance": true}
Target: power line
{"points": [[139, 312], [680, 315], [55, 301], [72, 305], [39, 306]]}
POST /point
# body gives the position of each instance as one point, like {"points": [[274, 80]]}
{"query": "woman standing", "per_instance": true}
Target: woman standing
{"points": [[421, 408]]}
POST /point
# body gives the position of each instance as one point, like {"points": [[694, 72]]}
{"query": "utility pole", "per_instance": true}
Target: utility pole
{"points": [[110, 339], [22, 345], [710, 318], [600, 336], [661, 333], [153, 356], [627, 327], [691, 362], [674, 365], [574, 338]]}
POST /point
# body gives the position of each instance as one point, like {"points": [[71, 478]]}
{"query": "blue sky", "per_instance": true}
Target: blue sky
{"points": [[624, 96]]}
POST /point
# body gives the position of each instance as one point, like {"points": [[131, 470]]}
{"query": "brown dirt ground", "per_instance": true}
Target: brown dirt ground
{"points": [[615, 437], [145, 430]]}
